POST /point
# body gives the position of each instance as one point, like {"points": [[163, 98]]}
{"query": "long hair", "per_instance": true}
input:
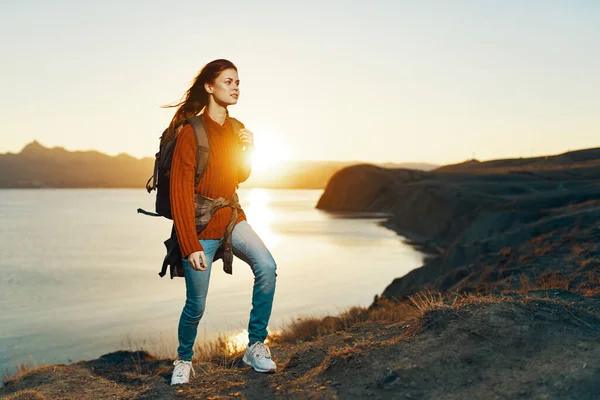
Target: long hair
{"points": [[196, 97]]}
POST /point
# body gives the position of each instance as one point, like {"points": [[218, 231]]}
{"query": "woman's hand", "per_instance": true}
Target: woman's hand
{"points": [[246, 137], [197, 260]]}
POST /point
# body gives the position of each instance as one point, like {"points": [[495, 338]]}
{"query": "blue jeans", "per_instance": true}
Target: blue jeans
{"points": [[248, 247]]}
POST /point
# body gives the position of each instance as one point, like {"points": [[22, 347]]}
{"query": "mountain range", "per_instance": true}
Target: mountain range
{"points": [[37, 166]]}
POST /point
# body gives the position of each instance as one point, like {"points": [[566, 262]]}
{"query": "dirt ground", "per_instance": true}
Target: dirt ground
{"points": [[539, 345]]}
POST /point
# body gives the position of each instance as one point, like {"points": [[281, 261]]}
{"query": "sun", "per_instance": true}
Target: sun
{"points": [[270, 151]]}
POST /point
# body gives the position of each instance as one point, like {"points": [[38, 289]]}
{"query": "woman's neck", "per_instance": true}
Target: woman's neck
{"points": [[217, 112]]}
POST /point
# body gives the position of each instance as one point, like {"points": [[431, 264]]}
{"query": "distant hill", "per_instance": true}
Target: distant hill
{"points": [[418, 166], [579, 158], [486, 223], [37, 166]]}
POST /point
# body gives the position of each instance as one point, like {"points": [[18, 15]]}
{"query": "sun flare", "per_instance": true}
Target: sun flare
{"points": [[270, 151], [238, 342]]}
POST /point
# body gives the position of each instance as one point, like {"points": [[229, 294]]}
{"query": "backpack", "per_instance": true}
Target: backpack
{"points": [[161, 178], [161, 182]]}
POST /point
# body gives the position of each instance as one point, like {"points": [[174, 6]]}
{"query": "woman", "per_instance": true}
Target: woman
{"points": [[215, 88]]}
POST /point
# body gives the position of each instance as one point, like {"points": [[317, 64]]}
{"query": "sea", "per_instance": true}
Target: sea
{"points": [[79, 271]]}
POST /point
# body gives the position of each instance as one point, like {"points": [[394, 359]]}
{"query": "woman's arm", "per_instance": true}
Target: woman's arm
{"points": [[183, 171]]}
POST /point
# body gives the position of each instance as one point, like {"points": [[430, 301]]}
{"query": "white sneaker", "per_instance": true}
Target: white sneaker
{"points": [[181, 373], [258, 356]]}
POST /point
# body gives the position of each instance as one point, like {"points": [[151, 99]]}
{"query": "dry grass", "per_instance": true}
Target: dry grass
{"points": [[21, 370], [426, 301], [454, 301], [525, 282], [407, 312], [556, 280], [349, 350], [577, 249], [553, 280], [586, 263], [307, 329], [27, 394], [591, 287], [155, 345], [541, 238], [421, 310], [221, 351], [417, 306], [545, 250], [413, 309], [506, 252], [547, 281]]}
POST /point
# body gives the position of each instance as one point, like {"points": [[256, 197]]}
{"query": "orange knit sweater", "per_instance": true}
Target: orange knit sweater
{"points": [[228, 164]]}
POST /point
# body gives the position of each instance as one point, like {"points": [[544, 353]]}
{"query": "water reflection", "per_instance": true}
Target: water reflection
{"points": [[256, 206], [325, 265]]}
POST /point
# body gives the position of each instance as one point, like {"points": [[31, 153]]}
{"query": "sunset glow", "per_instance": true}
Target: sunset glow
{"points": [[270, 150], [377, 81], [239, 341]]}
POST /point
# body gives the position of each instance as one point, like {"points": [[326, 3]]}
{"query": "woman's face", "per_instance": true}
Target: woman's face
{"points": [[226, 87]]}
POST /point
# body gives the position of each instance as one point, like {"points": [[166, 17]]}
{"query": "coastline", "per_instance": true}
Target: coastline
{"points": [[505, 305]]}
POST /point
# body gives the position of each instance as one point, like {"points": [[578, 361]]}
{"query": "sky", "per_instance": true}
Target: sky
{"points": [[373, 80]]}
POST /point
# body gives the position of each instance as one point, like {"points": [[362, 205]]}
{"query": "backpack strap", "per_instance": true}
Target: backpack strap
{"points": [[202, 150]]}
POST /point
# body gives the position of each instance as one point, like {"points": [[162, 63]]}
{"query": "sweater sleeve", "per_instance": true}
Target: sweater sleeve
{"points": [[245, 166], [183, 170]]}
